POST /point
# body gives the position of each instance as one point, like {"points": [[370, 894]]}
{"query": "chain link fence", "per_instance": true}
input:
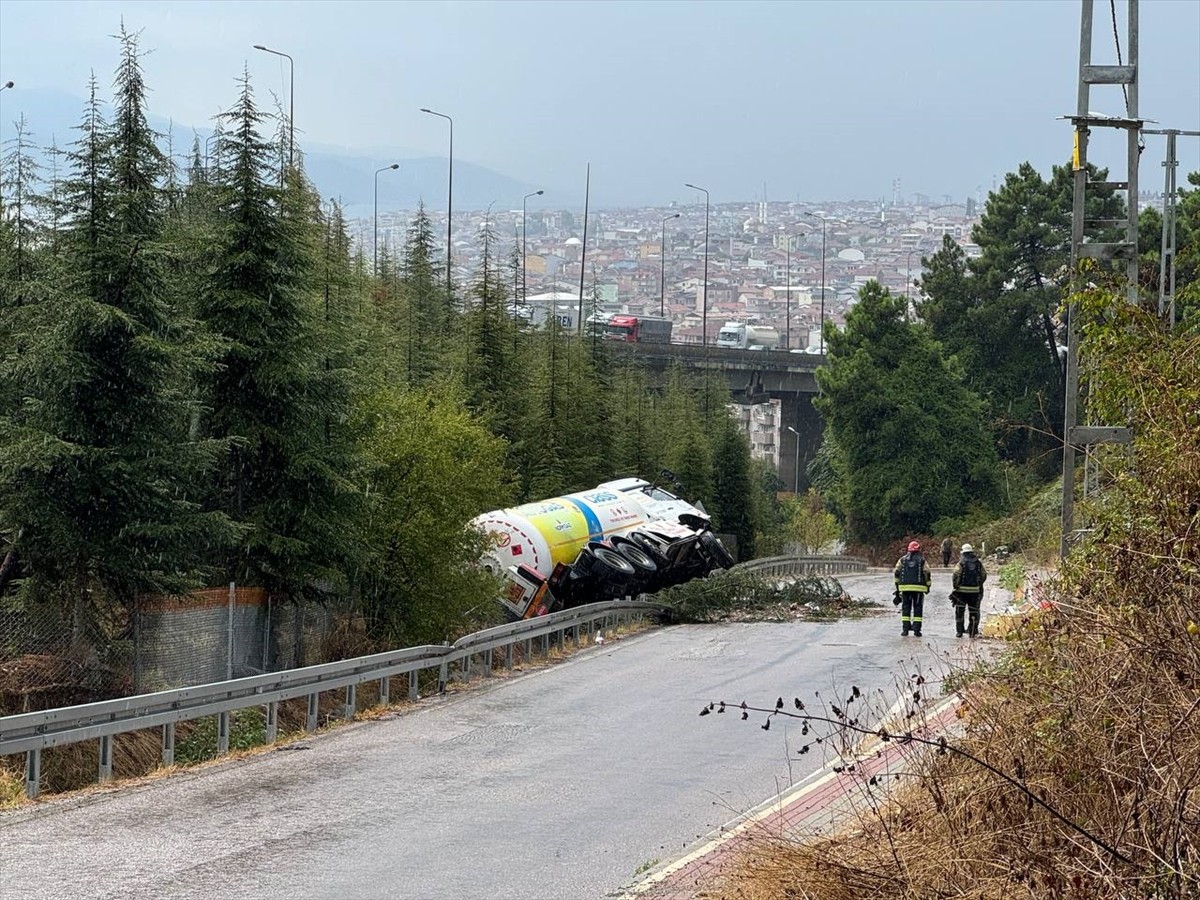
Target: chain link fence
{"points": [[53, 657]]}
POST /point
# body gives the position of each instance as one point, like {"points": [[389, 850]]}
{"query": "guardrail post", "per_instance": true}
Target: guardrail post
{"points": [[106, 750], [385, 691], [33, 773], [310, 723], [272, 729], [168, 744], [487, 663], [466, 667], [412, 685], [222, 733], [546, 644], [508, 657], [528, 649], [351, 705]]}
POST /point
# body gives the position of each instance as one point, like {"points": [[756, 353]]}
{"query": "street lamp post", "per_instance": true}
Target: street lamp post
{"points": [[704, 312], [822, 323], [291, 101], [524, 257], [662, 257], [796, 470], [375, 234], [449, 195]]}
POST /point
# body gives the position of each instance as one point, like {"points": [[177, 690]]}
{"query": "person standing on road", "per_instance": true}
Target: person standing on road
{"points": [[912, 583], [968, 578], [946, 547]]}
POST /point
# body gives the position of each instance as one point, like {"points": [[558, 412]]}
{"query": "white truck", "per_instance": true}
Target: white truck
{"points": [[740, 336], [622, 538]]}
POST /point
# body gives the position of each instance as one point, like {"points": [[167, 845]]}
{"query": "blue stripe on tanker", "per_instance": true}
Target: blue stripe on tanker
{"points": [[595, 531]]}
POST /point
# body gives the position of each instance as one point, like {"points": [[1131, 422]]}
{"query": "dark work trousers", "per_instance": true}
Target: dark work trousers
{"points": [[967, 603], [912, 605]]}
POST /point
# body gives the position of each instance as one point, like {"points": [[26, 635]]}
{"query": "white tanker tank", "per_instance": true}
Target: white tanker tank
{"points": [[620, 538]]}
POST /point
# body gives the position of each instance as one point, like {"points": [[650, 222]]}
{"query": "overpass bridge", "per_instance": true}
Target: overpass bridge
{"points": [[755, 376]]}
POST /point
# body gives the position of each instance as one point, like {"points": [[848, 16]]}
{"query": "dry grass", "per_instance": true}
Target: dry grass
{"points": [[1095, 708]]}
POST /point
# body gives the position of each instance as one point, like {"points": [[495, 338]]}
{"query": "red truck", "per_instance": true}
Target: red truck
{"points": [[638, 329]]}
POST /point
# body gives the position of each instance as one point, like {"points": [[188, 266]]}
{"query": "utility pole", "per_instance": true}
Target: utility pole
{"points": [[1166, 263], [1077, 436]]}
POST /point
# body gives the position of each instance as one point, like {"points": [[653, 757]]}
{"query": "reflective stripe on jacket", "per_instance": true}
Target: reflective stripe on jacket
{"points": [[911, 574]]}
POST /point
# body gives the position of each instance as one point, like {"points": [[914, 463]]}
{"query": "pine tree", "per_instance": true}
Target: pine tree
{"points": [[99, 476], [908, 440], [286, 478], [733, 509]]}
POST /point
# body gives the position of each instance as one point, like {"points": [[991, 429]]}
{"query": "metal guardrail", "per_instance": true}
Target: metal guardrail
{"points": [[805, 565], [31, 733]]}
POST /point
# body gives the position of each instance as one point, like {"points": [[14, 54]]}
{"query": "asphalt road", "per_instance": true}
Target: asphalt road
{"points": [[561, 783]]}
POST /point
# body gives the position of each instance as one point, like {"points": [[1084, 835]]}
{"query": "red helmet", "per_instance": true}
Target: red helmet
{"points": [[913, 546]]}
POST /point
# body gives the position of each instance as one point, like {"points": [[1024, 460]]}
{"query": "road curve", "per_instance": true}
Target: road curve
{"points": [[561, 783]]}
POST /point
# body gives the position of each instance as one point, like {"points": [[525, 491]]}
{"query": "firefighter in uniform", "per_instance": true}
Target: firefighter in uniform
{"points": [[968, 578], [912, 583]]}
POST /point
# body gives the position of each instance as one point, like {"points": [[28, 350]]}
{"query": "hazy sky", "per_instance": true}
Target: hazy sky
{"points": [[819, 100]]}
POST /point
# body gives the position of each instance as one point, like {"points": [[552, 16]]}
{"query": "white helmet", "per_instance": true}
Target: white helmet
{"points": [[967, 548]]}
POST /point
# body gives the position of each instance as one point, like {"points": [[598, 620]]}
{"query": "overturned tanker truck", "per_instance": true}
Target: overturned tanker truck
{"points": [[620, 539]]}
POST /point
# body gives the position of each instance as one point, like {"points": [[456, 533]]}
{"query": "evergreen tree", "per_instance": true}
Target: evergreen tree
{"points": [[274, 394], [99, 478], [734, 497], [687, 452], [909, 441], [424, 290]]}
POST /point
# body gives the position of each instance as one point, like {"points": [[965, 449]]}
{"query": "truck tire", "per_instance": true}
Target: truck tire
{"points": [[640, 559], [608, 563], [715, 550], [645, 567]]}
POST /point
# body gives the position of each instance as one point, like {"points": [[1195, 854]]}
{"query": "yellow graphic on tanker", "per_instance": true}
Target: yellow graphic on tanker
{"points": [[564, 529]]}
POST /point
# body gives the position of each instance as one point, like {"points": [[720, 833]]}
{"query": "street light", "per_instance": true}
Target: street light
{"points": [[449, 194], [291, 101], [375, 235], [524, 258], [796, 479], [662, 256], [822, 324], [704, 312]]}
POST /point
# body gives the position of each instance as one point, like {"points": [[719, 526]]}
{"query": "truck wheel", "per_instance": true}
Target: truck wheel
{"points": [[716, 551], [641, 560], [608, 563]]}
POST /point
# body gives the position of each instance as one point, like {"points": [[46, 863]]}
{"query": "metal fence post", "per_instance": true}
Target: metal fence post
{"points": [[106, 751], [310, 724], [351, 705], [385, 691], [33, 773], [168, 744], [222, 733], [229, 631], [272, 726]]}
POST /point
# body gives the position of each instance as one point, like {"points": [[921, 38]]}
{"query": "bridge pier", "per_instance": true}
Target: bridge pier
{"points": [[755, 376]]}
